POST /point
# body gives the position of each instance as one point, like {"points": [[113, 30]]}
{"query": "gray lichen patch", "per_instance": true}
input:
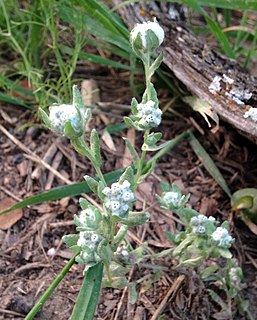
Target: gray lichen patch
{"points": [[227, 85], [252, 113]]}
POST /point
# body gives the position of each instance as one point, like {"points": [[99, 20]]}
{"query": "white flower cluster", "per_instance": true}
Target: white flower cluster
{"points": [[86, 216], [198, 223], [118, 198], [142, 29], [123, 251], [59, 115], [172, 198], [252, 113], [235, 276], [88, 239], [149, 115], [222, 238]]}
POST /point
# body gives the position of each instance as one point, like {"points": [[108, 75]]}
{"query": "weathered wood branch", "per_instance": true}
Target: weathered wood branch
{"points": [[196, 64]]}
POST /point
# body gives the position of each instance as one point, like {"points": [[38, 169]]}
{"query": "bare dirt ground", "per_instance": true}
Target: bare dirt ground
{"points": [[26, 268]]}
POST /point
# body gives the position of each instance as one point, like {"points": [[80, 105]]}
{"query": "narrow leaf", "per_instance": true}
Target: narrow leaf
{"points": [[209, 164], [88, 296]]}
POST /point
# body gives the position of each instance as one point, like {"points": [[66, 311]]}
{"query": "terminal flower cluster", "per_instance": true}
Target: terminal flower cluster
{"points": [[149, 115], [141, 31], [199, 223], [60, 114], [88, 242], [118, 198], [172, 198], [222, 238]]}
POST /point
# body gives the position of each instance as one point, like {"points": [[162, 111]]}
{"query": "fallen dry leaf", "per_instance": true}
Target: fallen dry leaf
{"points": [[9, 219]]}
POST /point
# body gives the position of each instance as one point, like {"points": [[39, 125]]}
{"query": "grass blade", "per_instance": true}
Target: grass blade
{"points": [[88, 296], [208, 163], [62, 192], [215, 28]]}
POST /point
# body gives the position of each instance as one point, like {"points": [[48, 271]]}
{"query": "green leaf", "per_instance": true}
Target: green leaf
{"points": [[133, 293], [70, 239], [88, 296], [95, 146], [92, 183], [209, 164], [62, 192], [45, 117], [132, 151], [130, 123], [129, 176], [117, 282], [209, 271], [156, 64], [84, 203], [225, 253], [135, 219]]}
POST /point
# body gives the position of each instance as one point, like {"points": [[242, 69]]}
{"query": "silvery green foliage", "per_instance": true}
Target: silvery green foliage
{"points": [[172, 197], [147, 114], [146, 36], [222, 238], [67, 119], [118, 198], [199, 240]]}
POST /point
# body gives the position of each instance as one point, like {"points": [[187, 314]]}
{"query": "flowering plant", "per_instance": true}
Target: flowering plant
{"points": [[100, 243]]}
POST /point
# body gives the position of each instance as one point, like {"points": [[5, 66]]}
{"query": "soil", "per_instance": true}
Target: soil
{"points": [[27, 265]]}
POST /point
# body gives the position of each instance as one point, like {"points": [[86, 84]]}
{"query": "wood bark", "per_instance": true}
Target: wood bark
{"points": [[195, 63]]}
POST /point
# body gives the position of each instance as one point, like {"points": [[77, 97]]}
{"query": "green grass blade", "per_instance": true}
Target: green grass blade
{"points": [[225, 4], [97, 59], [88, 296], [208, 163], [62, 192], [12, 100], [215, 28]]}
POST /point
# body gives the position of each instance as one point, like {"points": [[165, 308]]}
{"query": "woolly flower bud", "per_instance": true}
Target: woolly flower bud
{"points": [[222, 238], [172, 197], [86, 215], [150, 116], [146, 36], [88, 239], [59, 115], [118, 198], [235, 275], [199, 223]]}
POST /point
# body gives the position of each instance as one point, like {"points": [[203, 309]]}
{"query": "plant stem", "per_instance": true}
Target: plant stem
{"points": [[50, 289], [142, 159], [82, 148], [147, 77], [169, 146]]}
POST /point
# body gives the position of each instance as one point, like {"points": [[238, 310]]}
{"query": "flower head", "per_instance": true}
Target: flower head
{"points": [[118, 198], [67, 119], [146, 36], [60, 115], [199, 223], [222, 238], [149, 116]]}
